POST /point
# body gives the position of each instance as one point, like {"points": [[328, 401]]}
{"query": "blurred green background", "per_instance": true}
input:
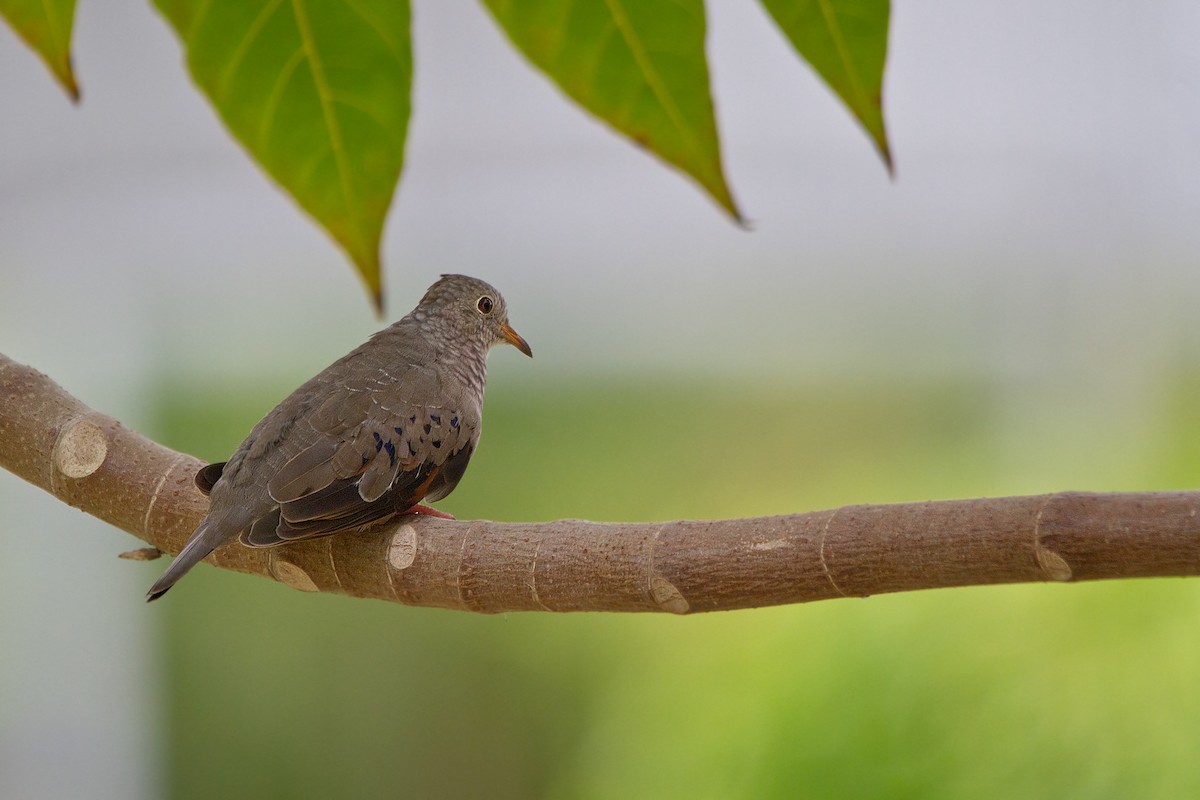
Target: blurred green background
{"points": [[1071, 691], [1015, 313]]}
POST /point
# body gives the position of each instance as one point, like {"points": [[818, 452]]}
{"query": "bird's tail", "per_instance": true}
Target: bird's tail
{"points": [[202, 543]]}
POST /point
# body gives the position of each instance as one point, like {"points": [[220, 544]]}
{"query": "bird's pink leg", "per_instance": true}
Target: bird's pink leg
{"points": [[428, 512]]}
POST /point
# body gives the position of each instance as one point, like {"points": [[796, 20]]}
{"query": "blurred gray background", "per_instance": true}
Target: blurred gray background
{"points": [[1041, 233]]}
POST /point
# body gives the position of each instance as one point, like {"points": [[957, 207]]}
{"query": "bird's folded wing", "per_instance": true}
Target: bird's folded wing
{"points": [[351, 476]]}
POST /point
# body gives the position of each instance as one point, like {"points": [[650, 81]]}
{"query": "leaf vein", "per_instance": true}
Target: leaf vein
{"points": [[397, 48], [839, 42], [271, 106], [653, 80], [201, 14], [239, 53], [367, 111], [52, 24], [325, 96]]}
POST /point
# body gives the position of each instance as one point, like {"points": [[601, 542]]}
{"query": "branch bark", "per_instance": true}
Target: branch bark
{"points": [[94, 463]]}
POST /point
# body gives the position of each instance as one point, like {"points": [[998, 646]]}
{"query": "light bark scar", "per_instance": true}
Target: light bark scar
{"points": [[292, 575], [80, 449], [401, 553], [533, 577], [821, 553], [402, 550], [462, 560], [774, 544], [158, 490], [664, 593], [1053, 566], [332, 562]]}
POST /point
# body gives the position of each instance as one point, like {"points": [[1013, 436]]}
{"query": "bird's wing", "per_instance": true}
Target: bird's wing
{"points": [[369, 456]]}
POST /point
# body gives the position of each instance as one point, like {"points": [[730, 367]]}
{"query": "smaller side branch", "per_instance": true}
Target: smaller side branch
{"points": [[96, 464]]}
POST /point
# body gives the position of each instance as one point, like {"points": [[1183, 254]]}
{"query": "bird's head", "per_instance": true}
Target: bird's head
{"points": [[474, 310]]}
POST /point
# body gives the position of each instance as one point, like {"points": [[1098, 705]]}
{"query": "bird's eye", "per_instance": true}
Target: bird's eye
{"points": [[485, 305]]}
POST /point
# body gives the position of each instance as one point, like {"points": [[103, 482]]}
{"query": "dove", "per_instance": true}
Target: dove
{"points": [[387, 426]]}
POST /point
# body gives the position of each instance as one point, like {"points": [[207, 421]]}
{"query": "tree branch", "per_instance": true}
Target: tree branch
{"points": [[96, 464]]}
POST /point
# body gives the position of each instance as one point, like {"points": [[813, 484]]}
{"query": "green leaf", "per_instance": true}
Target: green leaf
{"points": [[639, 65], [845, 41], [319, 92], [46, 26]]}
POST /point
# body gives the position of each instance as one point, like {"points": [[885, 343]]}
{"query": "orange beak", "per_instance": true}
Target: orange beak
{"points": [[514, 338]]}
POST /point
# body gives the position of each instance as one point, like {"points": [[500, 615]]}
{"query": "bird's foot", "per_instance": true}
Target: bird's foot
{"points": [[428, 512]]}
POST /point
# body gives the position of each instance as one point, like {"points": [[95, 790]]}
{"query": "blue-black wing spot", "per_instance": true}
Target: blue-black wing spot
{"points": [[391, 451], [427, 427], [454, 421], [437, 443], [399, 431], [378, 442], [437, 420], [412, 451]]}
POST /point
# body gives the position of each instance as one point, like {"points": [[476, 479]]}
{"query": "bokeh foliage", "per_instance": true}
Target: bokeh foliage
{"points": [[993, 692]]}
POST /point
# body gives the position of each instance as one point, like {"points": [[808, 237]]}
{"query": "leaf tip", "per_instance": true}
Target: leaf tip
{"points": [[885, 153], [64, 71], [372, 275], [67, 79], [367, 262], [720, 192], [739, 218]]}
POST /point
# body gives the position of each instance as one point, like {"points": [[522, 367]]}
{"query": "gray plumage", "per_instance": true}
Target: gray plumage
{"points": [[390, 424]]}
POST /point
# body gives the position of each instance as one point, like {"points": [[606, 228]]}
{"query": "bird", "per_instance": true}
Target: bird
{"points": [[387, 426]]}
